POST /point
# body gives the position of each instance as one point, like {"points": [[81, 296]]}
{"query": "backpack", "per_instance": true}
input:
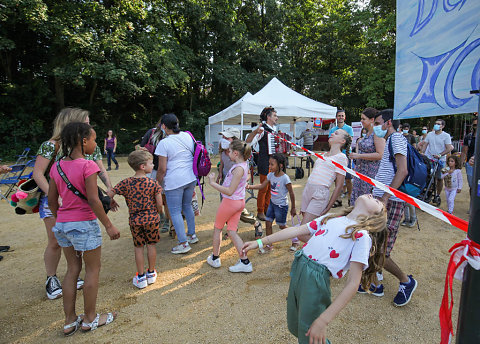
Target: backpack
{"points": [[299, 173], [149, 145], [416, 178], [201, 159]]}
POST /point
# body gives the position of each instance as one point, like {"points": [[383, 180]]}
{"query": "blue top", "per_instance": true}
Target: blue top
{"points": [[345, 127]]}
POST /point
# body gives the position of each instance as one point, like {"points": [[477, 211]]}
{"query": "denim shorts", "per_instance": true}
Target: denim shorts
{"points": [[277, 213], [43, 209], [438, 173], [82, 235]]}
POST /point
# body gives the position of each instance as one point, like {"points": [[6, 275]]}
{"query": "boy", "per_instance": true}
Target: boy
{"points": [[144, 200]]}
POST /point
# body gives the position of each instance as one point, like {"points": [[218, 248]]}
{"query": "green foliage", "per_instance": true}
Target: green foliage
{"points": [[128, 62]]}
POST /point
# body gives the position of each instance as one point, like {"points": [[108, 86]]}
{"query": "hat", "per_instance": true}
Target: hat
{"points": [[230, 132]]}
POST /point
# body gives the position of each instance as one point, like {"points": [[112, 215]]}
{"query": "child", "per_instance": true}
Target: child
{"points": [[233, 202], [76, 228], [280, 185], [144, 200], [315, 200], [452, 176], [354, 240]]}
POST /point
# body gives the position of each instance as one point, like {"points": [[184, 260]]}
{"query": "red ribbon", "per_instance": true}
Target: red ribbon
{"points": [[445, 312]]}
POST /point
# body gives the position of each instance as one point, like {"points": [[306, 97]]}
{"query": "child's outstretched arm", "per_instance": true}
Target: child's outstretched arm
{"points": [[96, 205], [284, 234], [318, 330], [258, 186], [53, 197], [293, 211]]}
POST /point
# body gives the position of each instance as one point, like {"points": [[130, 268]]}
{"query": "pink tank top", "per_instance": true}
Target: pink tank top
{"points": [[240, 191]]}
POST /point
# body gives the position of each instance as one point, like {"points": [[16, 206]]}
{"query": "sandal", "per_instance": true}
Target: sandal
{"points": [[337, 204], [75, 325], [86, 327], [258, 230]]}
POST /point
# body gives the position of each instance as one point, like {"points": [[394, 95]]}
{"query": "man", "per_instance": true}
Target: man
{"points": [[348, 178], [437, 145], [269, 119], [468, 151], [309, 138], [386, 127], [406, 132], [410, 213]]}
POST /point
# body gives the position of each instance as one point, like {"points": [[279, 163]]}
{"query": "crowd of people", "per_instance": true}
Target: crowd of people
{"points": [[161, 192]]}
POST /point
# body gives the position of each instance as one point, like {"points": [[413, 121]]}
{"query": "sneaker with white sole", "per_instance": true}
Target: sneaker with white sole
{"points": [[240, 267], [151, 276], [192, 239], [80, 283], [53, 287], [181, 248], [373, 290], [405, 292], [140, 282], [214, 263]]}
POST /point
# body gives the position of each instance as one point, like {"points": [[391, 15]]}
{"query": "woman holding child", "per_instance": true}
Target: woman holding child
{"points": [[175, 174]]}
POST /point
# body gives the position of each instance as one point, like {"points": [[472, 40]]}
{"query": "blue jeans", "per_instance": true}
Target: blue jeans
{"points": [[179, 200], [469, 171], [110, 157]]}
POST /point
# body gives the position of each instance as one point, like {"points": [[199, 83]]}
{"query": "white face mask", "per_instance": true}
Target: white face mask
{"points": [[224, 143]]}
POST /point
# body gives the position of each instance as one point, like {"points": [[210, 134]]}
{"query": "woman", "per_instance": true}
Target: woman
{"points": [[368, 155], [175, 174], [110, 147], [46, 155]]}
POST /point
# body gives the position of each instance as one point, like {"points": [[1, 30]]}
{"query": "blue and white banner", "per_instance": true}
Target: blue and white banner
{"points": [[438, 57]]}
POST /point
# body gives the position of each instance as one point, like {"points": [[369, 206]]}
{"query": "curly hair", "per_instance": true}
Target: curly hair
{"points": [[376, 225], [458, 165], [267, 111], [72, 136]]}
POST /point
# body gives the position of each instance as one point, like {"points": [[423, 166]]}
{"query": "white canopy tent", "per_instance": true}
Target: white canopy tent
{"points": [[291, 106]]}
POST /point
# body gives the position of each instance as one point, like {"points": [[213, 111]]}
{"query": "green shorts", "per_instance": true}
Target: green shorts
{"points": [[308, 295]]}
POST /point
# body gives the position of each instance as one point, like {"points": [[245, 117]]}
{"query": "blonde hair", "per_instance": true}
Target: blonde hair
{"points": [[137, 158], [242, 147], [376, 225], [65, 116]]}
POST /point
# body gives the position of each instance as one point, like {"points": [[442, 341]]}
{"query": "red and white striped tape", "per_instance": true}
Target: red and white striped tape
{"points": [[434, 211]]}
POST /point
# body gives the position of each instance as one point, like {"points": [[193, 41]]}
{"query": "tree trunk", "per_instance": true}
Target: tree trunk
{"points": [[59, 93], [92, 93]]}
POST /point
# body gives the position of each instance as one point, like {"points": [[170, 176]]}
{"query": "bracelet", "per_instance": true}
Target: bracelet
{"points": [[260, 243]]}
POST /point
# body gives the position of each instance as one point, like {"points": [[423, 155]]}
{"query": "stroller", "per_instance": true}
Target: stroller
{"points": [[429, 193]]}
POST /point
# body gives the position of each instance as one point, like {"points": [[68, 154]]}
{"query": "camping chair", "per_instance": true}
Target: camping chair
{"points": [[22, 158], [29, 164], [11, 179]]}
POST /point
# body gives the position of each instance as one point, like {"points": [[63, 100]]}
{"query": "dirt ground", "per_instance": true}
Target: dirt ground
{"points": [[194, 303]]}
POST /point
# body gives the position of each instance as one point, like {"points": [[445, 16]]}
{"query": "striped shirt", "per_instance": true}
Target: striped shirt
{"points": [[323, 172], [386, 172]]}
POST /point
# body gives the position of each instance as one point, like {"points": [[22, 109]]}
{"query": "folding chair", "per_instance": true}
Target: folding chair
{"points": [[22, 158], [29, 164], [11, 179]]}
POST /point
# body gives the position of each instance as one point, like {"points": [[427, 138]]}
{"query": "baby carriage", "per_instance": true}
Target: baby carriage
{"points": [[429, 193]]}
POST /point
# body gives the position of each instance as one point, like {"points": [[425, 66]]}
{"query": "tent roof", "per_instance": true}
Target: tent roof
{"points": [[290, 106]]}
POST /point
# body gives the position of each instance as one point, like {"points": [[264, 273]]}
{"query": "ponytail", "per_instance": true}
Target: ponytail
{"points": [[244, 148]]}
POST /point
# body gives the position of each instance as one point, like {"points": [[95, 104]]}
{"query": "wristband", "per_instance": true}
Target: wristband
{"points": [[260, 243]]}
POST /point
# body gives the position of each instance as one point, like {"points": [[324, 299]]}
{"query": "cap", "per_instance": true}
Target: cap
{"points": [[230, 132]]}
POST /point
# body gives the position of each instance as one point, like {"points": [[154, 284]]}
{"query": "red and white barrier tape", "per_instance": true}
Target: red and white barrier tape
{"points": [[434, 211]]}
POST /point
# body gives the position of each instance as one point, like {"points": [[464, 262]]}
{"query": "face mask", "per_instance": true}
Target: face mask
{"points": [[405, 131], [379, 131], [224, 143], [363, 135], [436, 127], [424, 131]]}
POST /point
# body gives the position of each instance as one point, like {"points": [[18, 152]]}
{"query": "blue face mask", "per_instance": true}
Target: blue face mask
{"points": [[405, 131], [424, 131], [436, 127], [379, 131]]}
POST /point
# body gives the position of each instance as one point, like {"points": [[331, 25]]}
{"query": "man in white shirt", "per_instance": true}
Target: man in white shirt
{"points": [[437, 145]]}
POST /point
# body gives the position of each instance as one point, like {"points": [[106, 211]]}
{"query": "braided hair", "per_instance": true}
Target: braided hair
{"points": [[72, 135]]}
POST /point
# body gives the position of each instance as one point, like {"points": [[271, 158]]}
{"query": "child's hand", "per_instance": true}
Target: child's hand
{"points": [[293, 212], [114, 205], [317, 332], [5, 169], [247, 187], [211, 178], [459, 190], [113, 232], [249, 245]]}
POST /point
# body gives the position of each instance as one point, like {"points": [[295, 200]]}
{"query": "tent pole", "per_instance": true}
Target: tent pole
{"points": [[241, 128], [210, 136]]}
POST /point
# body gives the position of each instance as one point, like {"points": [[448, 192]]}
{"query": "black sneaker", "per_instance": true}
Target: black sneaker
{"points": [[53, 287]]}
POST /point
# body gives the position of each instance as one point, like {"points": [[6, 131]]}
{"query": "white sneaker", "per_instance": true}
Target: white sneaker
{"points": [[214, 263], [151, 276], [140, 282], [181, 248], [80, 283], [240, 267], [192, 239]]}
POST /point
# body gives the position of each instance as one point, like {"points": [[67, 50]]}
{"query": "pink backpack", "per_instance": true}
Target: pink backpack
{"points": [[201, 159]]}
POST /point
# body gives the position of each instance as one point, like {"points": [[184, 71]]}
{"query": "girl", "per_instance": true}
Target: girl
{"points": [[354, 240], [76, 229], [110, 147], [280, 185], [315, 200], [233, 202], [453, 180]]}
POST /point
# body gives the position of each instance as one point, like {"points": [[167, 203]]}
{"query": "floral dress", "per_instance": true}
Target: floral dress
{"points": [[366, 167]]}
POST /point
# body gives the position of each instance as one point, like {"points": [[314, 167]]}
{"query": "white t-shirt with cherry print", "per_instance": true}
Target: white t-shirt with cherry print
{"points": [[326, 247]]}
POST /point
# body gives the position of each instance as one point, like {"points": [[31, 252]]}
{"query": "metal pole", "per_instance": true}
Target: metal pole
{"points": [[468, 329], [241, 129]]}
